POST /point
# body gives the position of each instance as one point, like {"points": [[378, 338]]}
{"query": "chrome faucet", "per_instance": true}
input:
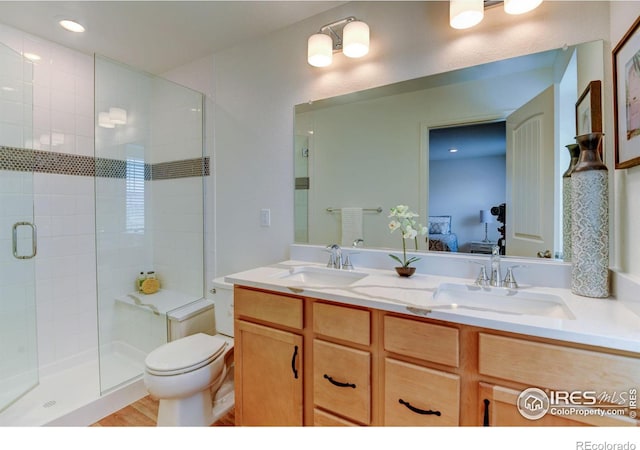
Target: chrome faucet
{"points": [[335, 257], [496, 279], [496, 276]]}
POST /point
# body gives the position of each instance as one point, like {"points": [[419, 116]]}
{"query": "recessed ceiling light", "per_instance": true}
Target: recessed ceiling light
{"points": [[453, 150], [71, 25]]}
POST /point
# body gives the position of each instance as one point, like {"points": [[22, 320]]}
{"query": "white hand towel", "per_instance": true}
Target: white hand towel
{"points": [[351, 225]]}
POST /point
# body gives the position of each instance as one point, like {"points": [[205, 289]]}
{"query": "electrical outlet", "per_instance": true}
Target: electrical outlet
{"points": [[265, 217]]}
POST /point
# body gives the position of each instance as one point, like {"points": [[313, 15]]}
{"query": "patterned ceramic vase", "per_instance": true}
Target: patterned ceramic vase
{"points": [[590, 220], [574, 152]]}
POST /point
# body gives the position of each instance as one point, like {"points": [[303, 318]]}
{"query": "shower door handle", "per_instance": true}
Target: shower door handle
{"points": [[34, 242]]}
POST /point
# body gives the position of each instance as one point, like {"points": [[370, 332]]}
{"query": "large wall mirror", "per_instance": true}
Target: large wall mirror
{"points": [[358, 155]]}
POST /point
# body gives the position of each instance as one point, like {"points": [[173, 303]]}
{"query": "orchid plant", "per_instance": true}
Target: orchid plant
{"points": [[403, 219]]}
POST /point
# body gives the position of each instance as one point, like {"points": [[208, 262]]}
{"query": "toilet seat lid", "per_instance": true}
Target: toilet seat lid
{"points": [[184, 354]]}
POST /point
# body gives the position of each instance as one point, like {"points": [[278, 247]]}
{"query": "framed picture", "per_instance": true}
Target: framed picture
{"points": [[589, 110], [626, 98]]}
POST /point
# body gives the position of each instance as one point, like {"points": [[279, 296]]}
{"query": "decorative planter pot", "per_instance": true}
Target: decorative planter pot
{"points": [[405, 271], [574, 152], [590, 220]]}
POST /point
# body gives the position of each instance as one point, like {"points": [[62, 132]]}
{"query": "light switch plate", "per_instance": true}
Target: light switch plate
{"points": [[265, 217]]}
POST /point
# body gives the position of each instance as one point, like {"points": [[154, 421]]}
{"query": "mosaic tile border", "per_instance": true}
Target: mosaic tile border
{"points": [[28, 160]]}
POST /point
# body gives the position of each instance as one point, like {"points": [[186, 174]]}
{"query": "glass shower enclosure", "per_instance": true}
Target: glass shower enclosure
{"points": [[150, 170], [18, 240]]}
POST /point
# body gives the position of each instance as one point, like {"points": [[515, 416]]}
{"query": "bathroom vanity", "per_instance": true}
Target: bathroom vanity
{"points": [[315, 347]]}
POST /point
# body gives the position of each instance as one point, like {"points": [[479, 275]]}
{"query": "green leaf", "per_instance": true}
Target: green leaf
{"points": [[397, 259], [412, 259]]}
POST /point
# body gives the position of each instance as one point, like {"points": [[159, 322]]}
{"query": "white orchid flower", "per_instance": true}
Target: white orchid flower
{"points": [[409, 233], [394, 225]]}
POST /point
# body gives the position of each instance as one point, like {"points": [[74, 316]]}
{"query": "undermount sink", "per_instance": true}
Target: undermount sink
{"points": [[320, 276], [500, 300]]}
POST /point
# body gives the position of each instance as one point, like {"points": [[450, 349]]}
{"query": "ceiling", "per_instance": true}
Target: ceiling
{"points": [[472, 141], [157, 36]]}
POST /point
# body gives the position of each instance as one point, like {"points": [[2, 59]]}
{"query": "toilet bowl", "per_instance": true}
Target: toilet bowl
{"points": [[183, 374]]}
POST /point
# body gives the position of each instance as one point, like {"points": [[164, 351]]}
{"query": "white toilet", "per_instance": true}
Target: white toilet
{"points": [[192, 376]]}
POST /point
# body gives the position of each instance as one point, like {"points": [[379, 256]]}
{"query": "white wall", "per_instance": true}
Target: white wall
{"points": [[461, 188], [627, 182], [258, 83]]}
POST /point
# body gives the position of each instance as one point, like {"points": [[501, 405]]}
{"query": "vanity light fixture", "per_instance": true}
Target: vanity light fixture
{"points": [[520, 6], [465, 13], [468, 13], [349, 35], [71, 25]]}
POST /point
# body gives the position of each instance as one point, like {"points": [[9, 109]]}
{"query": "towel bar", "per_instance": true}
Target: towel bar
{"points": [[376, 210]]}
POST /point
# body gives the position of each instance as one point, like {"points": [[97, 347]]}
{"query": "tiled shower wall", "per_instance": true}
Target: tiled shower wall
{"points": [[65, 204]]}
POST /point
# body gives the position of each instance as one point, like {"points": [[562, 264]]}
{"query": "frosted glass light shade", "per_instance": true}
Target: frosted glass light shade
{"points": [[118, 116], [520, 6], [486, 216], [320, 50], [355, 39], [104, 121], [465, 13]]}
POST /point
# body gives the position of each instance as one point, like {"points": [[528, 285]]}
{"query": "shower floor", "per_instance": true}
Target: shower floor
{"points": [[71, 397]]}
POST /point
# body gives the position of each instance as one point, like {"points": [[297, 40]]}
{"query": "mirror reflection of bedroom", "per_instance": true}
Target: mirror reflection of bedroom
{"points": [[467, 184]]}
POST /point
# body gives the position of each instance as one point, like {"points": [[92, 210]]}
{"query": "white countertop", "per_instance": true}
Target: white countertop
{"points": [[599, 322]]}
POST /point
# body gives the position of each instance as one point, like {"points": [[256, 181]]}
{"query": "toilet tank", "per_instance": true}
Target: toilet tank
{"points": [[223, 306], [196, 317]]}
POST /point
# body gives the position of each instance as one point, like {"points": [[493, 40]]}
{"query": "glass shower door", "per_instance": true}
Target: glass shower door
{"points": [[18, 338]]}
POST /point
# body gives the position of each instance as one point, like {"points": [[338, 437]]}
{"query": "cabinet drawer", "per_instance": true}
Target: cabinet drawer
{"points": [[341, 322], [417, 396], [556, 367], [422, 340], [269, 307], [324, 419], [341, 380]]}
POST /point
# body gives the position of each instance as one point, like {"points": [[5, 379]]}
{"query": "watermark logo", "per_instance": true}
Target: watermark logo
{"points": [[533, 403]]}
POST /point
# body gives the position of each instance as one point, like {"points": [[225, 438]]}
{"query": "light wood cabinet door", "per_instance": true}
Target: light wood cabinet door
{"points": [[499, 408], [268, 379], [342, 380], [418, 396]]}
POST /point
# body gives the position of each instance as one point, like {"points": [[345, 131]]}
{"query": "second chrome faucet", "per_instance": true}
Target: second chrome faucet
{"points": [[496, 279], [336, 258]]}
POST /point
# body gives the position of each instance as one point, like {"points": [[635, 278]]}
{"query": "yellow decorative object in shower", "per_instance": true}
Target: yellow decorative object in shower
{"points": [[150, 286]]}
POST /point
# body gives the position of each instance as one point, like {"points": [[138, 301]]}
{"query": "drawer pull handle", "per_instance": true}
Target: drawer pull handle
{"points": [[418, 410], [337, 383], [293, 362], [485, 420]]}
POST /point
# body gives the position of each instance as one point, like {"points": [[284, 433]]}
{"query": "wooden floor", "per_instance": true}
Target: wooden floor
{"points": [[144, 413]]}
